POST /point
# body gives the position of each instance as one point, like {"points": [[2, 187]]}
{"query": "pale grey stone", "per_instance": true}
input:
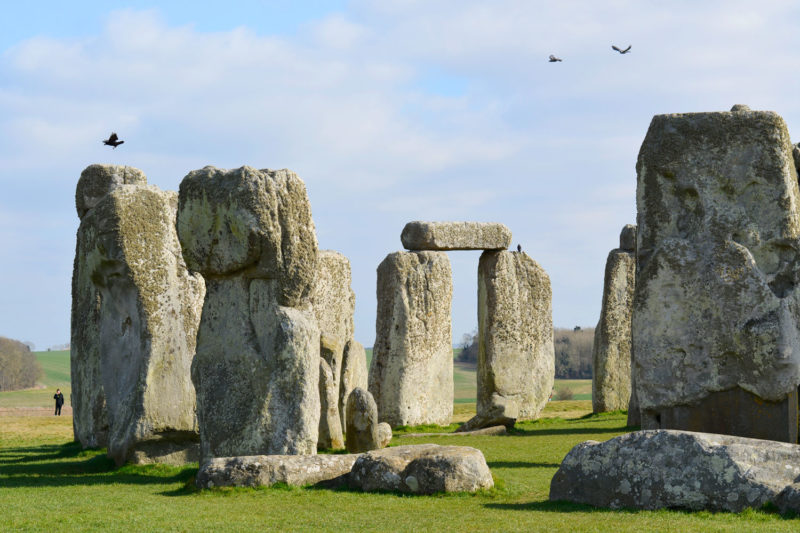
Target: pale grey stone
{"points": [[492, 430], [143, 320], [330, 425], [716, 304], [267, 470], [252, 222], [420, 235], [422, 469], [740, 108], [611, 351], [667, 469], [362, 432], [384, 434], [516, 356], [354, 374], [98, 180], [411, 375]]}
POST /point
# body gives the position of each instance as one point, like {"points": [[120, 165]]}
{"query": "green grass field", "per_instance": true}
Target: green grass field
{"points": [[55, 367]]}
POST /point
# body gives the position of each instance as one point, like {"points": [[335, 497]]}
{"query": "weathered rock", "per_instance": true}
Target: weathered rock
{"points": [[411, 375], [627, 238], [611, 351], [362, 432], [330, 425], [634, 415], [715, 320], [145, 318], [492, 430], [266, 470], [254, 223], [420, 235], [258, 347], [422, 469], [97, 181], [796, 156], [676, 469], [354, 374], [789, 499], [384, 434], [516, 358]]}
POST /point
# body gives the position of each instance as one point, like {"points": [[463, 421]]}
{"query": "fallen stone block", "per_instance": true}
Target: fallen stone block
{"points": [[492, 430], [266, 470], [444, 236]]}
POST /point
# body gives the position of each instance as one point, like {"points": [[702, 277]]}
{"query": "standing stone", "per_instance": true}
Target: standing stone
{"points": [[516, 357], [444, 236], [89, 417], [330, 426], [148, 310], [411, 376], [256, 370], [716, 305], [354, 374], [611, 352], [363, 433]]}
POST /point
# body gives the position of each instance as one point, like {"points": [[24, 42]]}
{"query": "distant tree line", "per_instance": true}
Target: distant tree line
{"points": [[573, 350], [19, 368]]}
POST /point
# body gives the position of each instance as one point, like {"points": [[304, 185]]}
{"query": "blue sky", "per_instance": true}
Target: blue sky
{"points": [[390, 112]]}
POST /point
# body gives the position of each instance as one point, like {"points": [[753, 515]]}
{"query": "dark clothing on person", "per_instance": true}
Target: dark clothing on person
{"points": [[59, 398]]}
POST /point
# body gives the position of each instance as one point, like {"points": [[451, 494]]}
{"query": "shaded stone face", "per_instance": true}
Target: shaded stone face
{"points": [[330, 425], [516, 357], [611, 351], [354, 374], [676, 470], [362, 429], [411, 376], [716, 304], [97, 181], [143, 326], [420, 235]]}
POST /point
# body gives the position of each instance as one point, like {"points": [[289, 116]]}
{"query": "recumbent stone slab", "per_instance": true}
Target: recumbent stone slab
{"points": [[420, 235], [267, 470]]}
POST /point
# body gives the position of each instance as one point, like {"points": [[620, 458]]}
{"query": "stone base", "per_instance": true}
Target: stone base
{"points": [[732, 412], [179, 448]]}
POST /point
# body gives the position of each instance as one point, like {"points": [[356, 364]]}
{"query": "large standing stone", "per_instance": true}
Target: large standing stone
{"points": [[419, 235], [330, 425], [89, 418], [516, 357], [676, 469], [611, 352], [362, 430], [411, 375], [148, 310], [354, 374], [422, 469], [715, 319], [256, 370]]}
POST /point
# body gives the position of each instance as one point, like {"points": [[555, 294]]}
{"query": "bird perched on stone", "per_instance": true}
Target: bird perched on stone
{"points": [[519, 248], [554, 59], [113, 141], [622, 51]]}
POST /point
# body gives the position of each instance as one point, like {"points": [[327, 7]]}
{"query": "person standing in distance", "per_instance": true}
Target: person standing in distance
{"points": [[59, 398]]}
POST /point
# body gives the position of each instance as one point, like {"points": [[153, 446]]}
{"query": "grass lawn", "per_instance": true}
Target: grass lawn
{"points": [[55, 367], [47, 482]]}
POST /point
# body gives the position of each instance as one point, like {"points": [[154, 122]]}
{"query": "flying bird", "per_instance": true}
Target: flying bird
{"points": [[553, 58], [113, 141], [622, 51], [519, 248]]}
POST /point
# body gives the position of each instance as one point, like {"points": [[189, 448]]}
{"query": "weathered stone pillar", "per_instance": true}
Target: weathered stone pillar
{"points": [[354, 374], [147, 311], [411, 376], [250, 233], [611, 352], [516, 358], [715, 318]]}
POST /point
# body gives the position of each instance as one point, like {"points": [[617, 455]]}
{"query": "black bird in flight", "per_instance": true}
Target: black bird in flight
{"points": [[519, 248], [622, 51], [113, 141], [553, 58]]}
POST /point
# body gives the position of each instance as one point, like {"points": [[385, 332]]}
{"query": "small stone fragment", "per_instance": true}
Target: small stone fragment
{"points": [[362, 433]]}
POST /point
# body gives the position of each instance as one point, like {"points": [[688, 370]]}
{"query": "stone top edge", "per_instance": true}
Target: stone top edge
{"points": [[736, 111]]}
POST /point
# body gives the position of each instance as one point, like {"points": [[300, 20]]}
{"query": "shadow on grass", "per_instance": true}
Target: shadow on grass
{"points": [[555, 507], [544, 430], [521, 464]]}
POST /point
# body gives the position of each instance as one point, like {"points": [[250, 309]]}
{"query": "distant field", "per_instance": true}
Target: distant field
{"points": [[55, 366]]}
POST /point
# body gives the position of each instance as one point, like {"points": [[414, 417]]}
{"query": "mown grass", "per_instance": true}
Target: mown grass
{"points": [[56, 369], [48, 482]]}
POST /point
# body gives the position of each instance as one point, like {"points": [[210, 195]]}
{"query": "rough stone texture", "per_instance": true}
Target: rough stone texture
{"points": [[266, 470], [627, 238], [634, 415], [676, 469], [144, 321], [98, 180], [492, 430], [516, 358], [330, 425], [422, 469], [716, 303], [384, 434], [411, 375], [796, 156], [250, 233], [420, 235], [252, 223], [611, 351], [789, 499], [362, 430], [354, 374]]}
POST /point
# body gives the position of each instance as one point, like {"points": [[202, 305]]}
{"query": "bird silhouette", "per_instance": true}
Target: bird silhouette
{"points": [[519, 248], [622, 51], [113, 141], [553, 58]]}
